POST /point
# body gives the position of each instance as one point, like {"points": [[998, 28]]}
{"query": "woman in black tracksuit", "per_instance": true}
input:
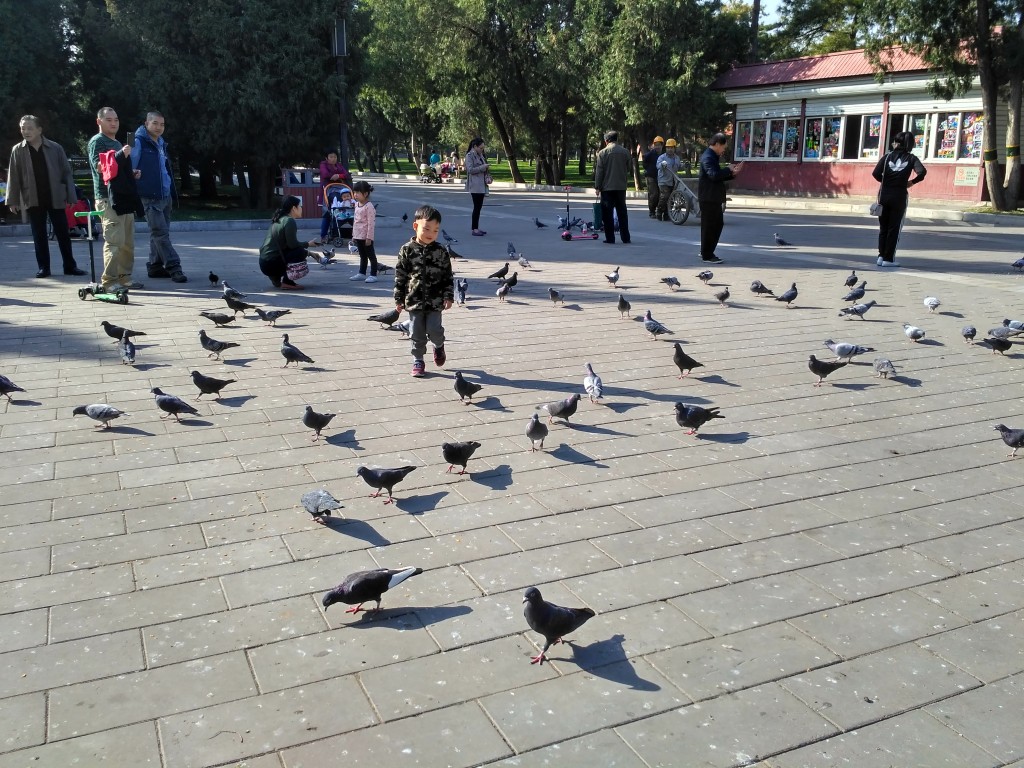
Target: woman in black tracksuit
{"points": [[893, 171]]}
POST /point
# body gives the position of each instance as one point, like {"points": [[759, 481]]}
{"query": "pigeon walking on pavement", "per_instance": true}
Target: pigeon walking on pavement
{"points": [[623, 306], [684, 362], [230, 292], [592, 384], [293, 354], [316, 421], [760, 289], [538, 223], [932, 303], [969, 332], [384, 479], [218, 318], [364, 586], [511, 282], [851, 279], [499, 274], [127, 351], [536, 431], [465, 389], [694, 417], [458, 454], [171, 405], [842, 349], [461, 286], [214, 279], [671, 282], [207, 385], [237, 305], [1004, 332], [913, 333], [857, 310], [271, 316], [613, 276], [320, 504], [561, 409], [779, 241], [524, 262], [7, 387], [1014, 438], [116, 332], [100, 412], [653, 327], [857, 293], [552, 621], [822, 368], [706, 276], [883, 367], [555, 296], [503, 290], [386, 319], [213, 346], [789, 296], [723, 296], [448, 238], [998, 345], [1017, 325]]}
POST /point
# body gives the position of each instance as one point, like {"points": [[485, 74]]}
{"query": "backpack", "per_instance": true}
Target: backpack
{"points": [[108, 165]]}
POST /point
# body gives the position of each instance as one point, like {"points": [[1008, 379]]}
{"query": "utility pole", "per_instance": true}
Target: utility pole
{"points": [[339, 49], [754, 23]]}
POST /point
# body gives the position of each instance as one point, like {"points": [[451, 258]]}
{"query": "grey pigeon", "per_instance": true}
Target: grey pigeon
{"points": [[969, 332], [510, 249], [100, 412], [230, 292], [500, 274], [857, 310], [561, 409], [213, 279], [127, 351], [1018, 265], [237, 305], [404, 328], [270, 317], [857, 293], [7, 386], [116, 332], [723, 296], [1014, 438], [913, 333], [384, 479], [653, 327], [761, 289], [503, 291], [386, 319], [684, 362], [217, 318], [613, 276], [1017, 325], [789, 296], [447, 238], [592, 384], [694, 417], [536, 431], [524, 262], [998, 345], [779, 240], [207, 385], [213, 346], [843, 349], [883, 367], [552, 621], [538, 223], [822, 368], [671, 282], [171, 405], [851, 280], [1004, 332], [325, 258], [316, 421], [624, 306], [706, 276], [458, 454], [932, 303], [461, 286], [511, 282], [364, 586], [465, 389], [555, 296], [320, 504], [293, 354]]}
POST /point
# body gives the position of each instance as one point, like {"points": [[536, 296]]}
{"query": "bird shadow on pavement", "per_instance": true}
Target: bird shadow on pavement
{"points": [[123, 429], [357, 529], [149, 366], [196, 422], [607, 659], [725, 437], [573, 307], [593, 430], [854, 386], [242, 362], [389, 618], [930, 343], [570, 455], [957, 315], [347, 438], [234, 402], [5, 302], [906, 380], [714, 378], [417, 505], [623, 407], [317, 369], [23, 402], [497, 479]]}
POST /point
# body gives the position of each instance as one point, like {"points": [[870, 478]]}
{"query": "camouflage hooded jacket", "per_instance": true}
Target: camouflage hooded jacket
{"points": [[423, 277]]}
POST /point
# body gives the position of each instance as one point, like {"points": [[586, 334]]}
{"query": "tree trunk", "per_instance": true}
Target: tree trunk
{"points": [[244, 193], [583, 159], [506, 141], [225, 169], [207, 180], [636, 169], [184, 175], [1011, 181], [989, 102], [261, 178]]}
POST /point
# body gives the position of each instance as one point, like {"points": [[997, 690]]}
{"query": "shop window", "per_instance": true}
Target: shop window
{"points": [[851, 143], [946, 131], [871, 135], [830, 131], [812, 144], [757, 145], [792, 138], [743, 140], [776, 137], [972, 127]]}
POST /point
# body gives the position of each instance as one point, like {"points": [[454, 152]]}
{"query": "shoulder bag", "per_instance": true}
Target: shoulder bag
{"points": [[876, 207]]}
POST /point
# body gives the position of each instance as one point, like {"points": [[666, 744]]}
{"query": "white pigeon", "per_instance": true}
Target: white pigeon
{"points": [[524, 262], [914, 333], [613, 277], [932, 303], [593, 385]]}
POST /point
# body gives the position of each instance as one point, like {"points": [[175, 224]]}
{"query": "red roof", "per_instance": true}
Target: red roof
{"points": [[830, 66]]}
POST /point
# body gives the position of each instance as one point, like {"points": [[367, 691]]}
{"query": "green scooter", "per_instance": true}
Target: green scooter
{"points": [[94, 289]]}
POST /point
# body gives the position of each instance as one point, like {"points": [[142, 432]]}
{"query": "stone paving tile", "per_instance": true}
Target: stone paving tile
{"points": [[663, 541], [133, 746], [567, 527], [762, 557], [633, 585], [24, 630], [523, 569], [25, 513], [911, 740], [608, 493], [239, 729], [772, 721], [974, 550], [210, 562], [456, 737], [21, 537], [56, 489], [132, 546], [24, 719], [603, 748], [276, 582], [71, 506], [75, 710], [983, 511], [765, 522], [989, 650], [24, 564], [859, 537], [988, 717], [980, 595], [882, 684], [43, 591], [857, 578]]}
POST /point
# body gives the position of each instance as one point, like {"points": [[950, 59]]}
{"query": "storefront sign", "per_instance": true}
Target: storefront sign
{"points": [[966, 177]]}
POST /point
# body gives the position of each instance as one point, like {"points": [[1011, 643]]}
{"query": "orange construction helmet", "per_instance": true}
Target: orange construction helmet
{"points": [[671, 143], [658, 140]]}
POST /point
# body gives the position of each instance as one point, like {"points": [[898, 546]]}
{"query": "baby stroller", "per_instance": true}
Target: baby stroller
{"points": [[340, 209], [449, 171], [428, 174]]}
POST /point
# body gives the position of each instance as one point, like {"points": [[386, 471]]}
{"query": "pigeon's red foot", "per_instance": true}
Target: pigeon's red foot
{"points": [[356, 609], [538, 659]]}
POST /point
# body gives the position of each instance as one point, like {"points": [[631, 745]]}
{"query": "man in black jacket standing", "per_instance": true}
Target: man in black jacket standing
{"points": [[711, 193], [611, 174]]}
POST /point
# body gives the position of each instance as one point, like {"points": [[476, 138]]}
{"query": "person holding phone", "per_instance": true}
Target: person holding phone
{"points": [[711, 192]]}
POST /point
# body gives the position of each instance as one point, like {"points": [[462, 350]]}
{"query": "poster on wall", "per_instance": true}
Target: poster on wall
{"points": [[813, 145], [743, 140], [830, 137], [757, 145], [972, 130], [946, 134], [792, 138], [776, 137]]}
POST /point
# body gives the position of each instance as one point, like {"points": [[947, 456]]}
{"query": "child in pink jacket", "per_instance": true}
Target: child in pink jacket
{"points": [[363, 231]]}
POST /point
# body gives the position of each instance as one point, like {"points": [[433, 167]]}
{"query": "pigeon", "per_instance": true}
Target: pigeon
{"points": [[127, 351], [316, 421], [320, 504], [671, 282], [171, 405], [116, 332], [382, 479], [822, 368], [218, 319], [465, 388], [386, 319], [779, 241], [7, 386], [760, 289], [858, 310], [511, 282], [723, 296], [237, 305], [552, 621], [293, 354], [208, 385], [461, 286], [510, 249], [857, 293], [851, 280], [1018, 264], [100, 412], [695, 417], [500, 274], [1004, 332], [364, 586], [405, 328], [883, 367], [613, 276], [969, 332], [270, 317], [503, 291], [213, 346], [932, 303], [536, 431], [653, 327], [405, 217], [592, 384], [458, 453], [706, 276], [998, 345], [561, 409], [913, 333], [1014, 438], [231, 292], [524, 262], [538, 223], [213, 279], [789, 296], [353, 248], [684, 362], [447, 238], [326, 258], [1017, 325], [849, 351], [555, 296], [624, 306]]}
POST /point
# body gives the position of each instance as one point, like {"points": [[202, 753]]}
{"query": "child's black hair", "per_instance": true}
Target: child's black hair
{"points": [[427, 213], [362, 186]]}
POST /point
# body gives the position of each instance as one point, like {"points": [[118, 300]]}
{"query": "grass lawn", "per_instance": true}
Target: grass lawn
{"points": [[502, 172]]}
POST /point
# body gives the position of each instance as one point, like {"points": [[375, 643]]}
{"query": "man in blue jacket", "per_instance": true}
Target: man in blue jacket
{"points": [[156, 188], [711, 193]]}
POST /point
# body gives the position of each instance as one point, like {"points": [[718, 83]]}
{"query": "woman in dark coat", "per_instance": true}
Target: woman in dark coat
{"points": [[282, 247], [893, 172]]}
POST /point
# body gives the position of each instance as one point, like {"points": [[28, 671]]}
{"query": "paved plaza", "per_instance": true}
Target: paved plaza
{"points": [[825, 577]]}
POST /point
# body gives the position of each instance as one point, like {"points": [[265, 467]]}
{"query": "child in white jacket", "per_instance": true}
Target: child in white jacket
{"points": [[363, 231]]}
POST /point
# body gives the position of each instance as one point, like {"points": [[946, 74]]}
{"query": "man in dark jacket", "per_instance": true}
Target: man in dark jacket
{"points": [[711, 193], [650, 163], [611, 173], [41, 182], [156, 188]]}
